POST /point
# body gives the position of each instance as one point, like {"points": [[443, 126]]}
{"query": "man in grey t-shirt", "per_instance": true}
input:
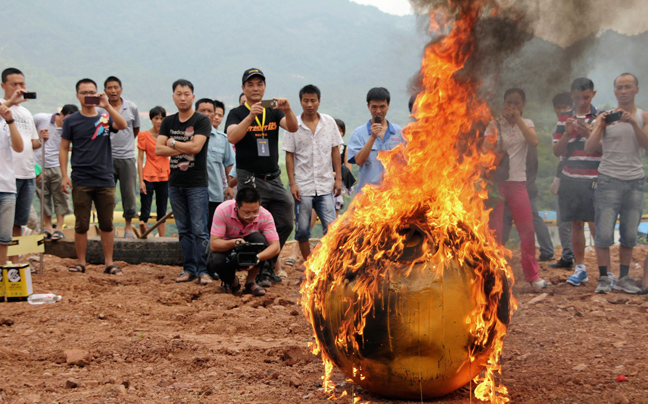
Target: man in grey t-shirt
{"points": [[623, 133], [123, 151]]}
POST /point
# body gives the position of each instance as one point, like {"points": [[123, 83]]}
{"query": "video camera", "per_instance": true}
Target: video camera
{"points": [[245, 254]]}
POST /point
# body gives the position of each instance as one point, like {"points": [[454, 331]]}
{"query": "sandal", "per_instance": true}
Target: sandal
{"points": [[47, 234], [77, 268], [185, 277], [290, 261], [250, 289], [113, 270], [58, 235]]}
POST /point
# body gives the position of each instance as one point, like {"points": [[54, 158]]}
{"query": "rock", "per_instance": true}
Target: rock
{"points": [[294, 312], [580, 367], [538, 299], [294, 355], [272, 374], [598, 313], [119, 389], [71, 384], [163, 383], [619, 344], [77, 357], [294, 382]]}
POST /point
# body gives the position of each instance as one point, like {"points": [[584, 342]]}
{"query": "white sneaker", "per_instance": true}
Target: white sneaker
{"points": [[539, 284]]}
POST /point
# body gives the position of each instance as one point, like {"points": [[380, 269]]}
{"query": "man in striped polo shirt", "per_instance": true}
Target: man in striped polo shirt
{"points": [[242, 221], [580, 170]]}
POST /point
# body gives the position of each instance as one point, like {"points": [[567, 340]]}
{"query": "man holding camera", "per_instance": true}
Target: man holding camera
{"points": [[622, 134], [579, 172], [243, 236], [92, 170], [377, 135], [254, 128], [13, 84]]}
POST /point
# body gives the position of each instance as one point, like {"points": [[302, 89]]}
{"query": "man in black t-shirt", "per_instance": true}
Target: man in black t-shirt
{"points": [[88, 131], [255, 132], [183, 137]]}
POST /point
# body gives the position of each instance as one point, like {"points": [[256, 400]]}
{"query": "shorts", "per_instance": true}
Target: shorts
{"points": [[104, 201], [324, 206], [24, 198], [576, 199], [7, 212], [617, 198], [53, 192]]}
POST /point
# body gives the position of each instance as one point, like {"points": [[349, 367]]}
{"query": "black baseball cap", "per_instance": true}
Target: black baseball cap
{"points": [[249, 73]]}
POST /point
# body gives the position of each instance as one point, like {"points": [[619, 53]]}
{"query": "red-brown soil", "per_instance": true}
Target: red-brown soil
{"points": [[142, 338]]}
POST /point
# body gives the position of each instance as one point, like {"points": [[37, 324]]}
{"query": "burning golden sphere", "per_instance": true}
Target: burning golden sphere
{"points": [[416, 340]]}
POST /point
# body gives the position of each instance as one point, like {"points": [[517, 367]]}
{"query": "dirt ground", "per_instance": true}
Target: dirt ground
{"points": [[142, 338]]}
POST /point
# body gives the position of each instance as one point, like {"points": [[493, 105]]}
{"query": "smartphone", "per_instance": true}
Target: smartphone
{"points": [[29, 96], [377, 119], [613, 116], [92, 99], [269, 103]]}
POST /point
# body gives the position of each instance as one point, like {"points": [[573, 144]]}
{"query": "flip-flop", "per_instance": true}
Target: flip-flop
{"points": [[290, 261], [113, 270], [77, 268], [58, 235], [47, 234]]}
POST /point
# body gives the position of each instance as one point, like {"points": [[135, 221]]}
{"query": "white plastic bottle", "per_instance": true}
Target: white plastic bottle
{"points": [[43, 298]]}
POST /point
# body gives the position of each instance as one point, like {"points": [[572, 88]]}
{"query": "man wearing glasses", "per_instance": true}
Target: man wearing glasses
{"points": [[92, 169], [236, 223]]}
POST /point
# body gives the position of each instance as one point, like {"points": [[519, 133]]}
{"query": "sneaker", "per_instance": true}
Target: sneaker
{"points": [[562, 264], [579, 276], [185, 277], [605, 284], [627, 285], [545, 258], [539, 284]]}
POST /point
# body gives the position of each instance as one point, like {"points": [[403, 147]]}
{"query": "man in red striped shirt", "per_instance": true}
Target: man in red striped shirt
{"points": [[236, 222], [579, 172]]}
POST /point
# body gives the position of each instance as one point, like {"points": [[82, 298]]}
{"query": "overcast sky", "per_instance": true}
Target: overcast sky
{"points": [[397, 7]]}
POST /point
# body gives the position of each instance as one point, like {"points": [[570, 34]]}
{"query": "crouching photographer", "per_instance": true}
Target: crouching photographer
{"points": [[243, 237]]}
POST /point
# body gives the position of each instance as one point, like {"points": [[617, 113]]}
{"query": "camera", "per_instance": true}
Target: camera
{"points": [[29, 96], [613, 116], [245, 254], [377, 119]]}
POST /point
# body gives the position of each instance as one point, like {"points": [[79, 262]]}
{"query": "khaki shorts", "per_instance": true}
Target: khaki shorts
{"points": [[104, 201]]}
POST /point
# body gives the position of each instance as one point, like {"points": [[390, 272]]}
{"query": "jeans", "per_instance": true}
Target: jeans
{"points": [[564, 233], [161, 190], [517, 198], [225, 268], [190, 209], [617, 198], [7, 211], [324, 206]]}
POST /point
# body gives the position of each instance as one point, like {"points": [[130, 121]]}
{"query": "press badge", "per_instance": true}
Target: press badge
{"points": [[262, 148]]}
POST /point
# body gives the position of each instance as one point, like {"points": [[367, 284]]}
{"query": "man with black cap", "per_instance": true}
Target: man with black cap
{"points": [[255, 132]]}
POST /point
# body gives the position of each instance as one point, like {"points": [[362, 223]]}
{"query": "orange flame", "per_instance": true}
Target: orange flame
{"points": [[435, 181]]}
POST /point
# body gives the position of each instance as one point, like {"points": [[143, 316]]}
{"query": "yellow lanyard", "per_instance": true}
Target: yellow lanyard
{"points": [[261, 124]]}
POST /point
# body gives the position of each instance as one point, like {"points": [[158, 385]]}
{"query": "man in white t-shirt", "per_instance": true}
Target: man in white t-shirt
{"points": [[53, 124], [10, 141], [13, 84]]}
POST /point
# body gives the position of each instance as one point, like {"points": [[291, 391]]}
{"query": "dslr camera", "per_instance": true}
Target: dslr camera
{"points": [[613, 116], [245, 254]]}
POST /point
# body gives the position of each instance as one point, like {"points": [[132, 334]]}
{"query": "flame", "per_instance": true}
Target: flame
{"points": [[435, 181]]}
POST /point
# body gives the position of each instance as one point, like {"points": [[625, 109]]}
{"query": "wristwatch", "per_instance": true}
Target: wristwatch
{"points": [[257, 263], [173, 142]]}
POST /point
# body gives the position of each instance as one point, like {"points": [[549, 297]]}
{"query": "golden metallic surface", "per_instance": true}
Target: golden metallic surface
{"points": [[416, 340]]}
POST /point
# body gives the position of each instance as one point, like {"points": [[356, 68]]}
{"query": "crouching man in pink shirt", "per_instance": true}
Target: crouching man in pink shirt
{"points": [[243, 236]]}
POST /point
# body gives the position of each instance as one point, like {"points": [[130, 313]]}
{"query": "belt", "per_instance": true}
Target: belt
{"points": [[268, 177]]}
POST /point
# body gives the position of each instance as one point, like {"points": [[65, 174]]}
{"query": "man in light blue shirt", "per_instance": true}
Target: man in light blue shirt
{"points": [[376, 135], [220, 158]]}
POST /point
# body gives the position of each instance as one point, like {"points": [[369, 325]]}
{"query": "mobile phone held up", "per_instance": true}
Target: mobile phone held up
{"points": [[29, 96], [613, 116], [92, 99], [378, 119], [268, 103]]}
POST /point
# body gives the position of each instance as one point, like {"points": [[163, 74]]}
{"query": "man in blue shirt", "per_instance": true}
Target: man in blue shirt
{"points": [[376, 135]]}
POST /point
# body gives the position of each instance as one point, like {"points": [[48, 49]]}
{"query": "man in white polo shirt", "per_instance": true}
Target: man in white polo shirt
{"points": [[313, 165]]}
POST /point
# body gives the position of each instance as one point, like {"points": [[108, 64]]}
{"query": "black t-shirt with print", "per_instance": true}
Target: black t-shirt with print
{"points": [[187, 170], [247, 154]]}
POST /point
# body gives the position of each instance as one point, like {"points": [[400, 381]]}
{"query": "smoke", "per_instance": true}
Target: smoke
{"points": [[538, 45]]}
